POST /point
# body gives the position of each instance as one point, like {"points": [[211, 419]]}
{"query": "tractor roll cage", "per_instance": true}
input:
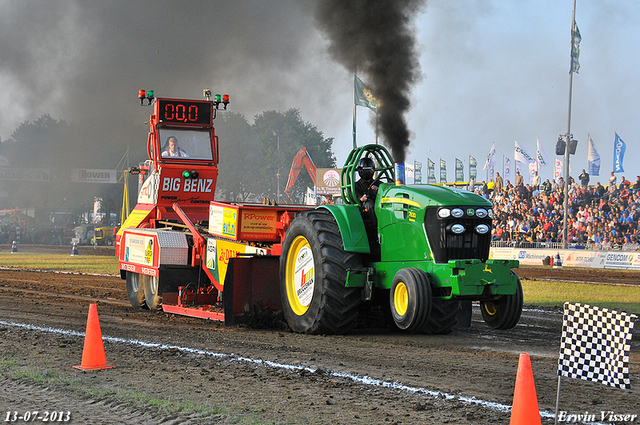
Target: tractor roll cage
{"points": [[384, 169]]}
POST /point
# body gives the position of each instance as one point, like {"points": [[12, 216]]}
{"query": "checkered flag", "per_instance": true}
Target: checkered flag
{"points": [[595, 345]]}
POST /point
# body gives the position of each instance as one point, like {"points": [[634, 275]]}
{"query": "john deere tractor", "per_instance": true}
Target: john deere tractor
{"points": [[425, 252]]}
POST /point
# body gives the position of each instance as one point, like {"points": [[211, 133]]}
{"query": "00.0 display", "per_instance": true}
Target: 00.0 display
{"points": [[185, 112]]}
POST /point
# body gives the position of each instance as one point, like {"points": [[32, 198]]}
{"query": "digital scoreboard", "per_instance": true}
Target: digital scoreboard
{"points": [[185, 112]]}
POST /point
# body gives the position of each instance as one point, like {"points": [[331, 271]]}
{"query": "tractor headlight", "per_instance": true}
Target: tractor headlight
{"points": [[457, 212], [444, 212], [490, 213], [481, 213], [482, 229], [457, 229]]}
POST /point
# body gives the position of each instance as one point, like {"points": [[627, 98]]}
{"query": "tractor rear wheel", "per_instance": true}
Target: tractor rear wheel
{"points": [[151, 293], [505, 312], [410, 299], [313, 272], [135, 290], [443, 317]]}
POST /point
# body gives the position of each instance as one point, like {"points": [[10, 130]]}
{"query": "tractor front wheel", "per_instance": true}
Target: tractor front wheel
{"points": [[410, 299], [135, 290], [505, 312], [313, 273]]}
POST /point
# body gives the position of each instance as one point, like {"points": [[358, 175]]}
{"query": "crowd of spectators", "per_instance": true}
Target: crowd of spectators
{"points": [[599, 217]]}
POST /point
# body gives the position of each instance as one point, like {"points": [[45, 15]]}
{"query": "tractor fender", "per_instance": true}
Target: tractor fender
{"points": [[351, 225]]}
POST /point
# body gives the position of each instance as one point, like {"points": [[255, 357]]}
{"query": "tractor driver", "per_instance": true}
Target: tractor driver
{"points": [[365, 189], [172, 149]]}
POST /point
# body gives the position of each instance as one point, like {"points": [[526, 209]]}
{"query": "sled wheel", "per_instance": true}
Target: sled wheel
{"points": [[443, 317], [135, 290], [503, 313], [313, 271], [410, 299], [151, 293]]}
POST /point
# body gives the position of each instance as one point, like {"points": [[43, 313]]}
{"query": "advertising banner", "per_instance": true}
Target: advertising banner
{"points": [[28, 174], [80, 175], [571, 257], [328, 181]]}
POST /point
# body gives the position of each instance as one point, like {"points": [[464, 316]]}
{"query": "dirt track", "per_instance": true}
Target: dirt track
{"points": [[206, 373]]}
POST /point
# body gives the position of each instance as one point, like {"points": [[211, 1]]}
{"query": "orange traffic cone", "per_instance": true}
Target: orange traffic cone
{"points": [[93, 357], [525, 402]]}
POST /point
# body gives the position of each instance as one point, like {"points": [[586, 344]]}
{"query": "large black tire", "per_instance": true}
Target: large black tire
{"points": [[410, 299], [443, 317], [313, 272], [505, 312], [152, 293], [135, 290]]}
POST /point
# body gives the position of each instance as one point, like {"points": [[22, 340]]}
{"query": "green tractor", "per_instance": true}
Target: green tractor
{"points": [[425, 252]]}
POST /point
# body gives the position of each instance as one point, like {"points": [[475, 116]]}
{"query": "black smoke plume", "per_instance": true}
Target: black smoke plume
{"points": [[375, 39]]}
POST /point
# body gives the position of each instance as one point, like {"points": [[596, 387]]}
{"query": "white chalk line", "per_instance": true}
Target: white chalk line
{"points": [[360, 379]]}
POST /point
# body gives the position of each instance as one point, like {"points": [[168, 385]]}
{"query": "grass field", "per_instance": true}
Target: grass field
{"points": [[544, 293], [82, 264], [538, 293]]}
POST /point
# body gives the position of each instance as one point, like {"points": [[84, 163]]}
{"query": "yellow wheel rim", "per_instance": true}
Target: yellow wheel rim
{"points": [[490, 308], [401, 299], [300, 275]]}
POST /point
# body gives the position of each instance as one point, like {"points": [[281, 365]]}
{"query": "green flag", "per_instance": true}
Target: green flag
{"points": [[363, 95], [576, 38], [431, 171], [472, 167]]}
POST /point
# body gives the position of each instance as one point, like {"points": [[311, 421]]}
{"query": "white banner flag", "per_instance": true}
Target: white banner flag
{"points": [[593, 158], [507, 168], [532, 171], [491, 158], [522, 155], [541, 156], [558, 169]]}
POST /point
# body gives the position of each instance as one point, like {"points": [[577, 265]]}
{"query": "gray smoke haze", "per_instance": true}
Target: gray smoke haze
{"points": [[84, 61], [497, 70], [376, 40]]}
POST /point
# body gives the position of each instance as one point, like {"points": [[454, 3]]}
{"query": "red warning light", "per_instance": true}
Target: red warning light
{"points": [[145, 94]]}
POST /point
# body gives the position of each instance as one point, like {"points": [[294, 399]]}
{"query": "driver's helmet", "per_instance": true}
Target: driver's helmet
{"points": [[366, 168]]}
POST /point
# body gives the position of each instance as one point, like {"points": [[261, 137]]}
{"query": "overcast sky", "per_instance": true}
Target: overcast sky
{"points": [[492, 71]]}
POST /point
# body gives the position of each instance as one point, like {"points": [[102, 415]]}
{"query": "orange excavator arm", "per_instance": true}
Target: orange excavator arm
{"points": [[302, 159]]}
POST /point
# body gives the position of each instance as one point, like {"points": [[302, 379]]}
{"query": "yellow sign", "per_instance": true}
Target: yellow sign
{"points": [[230, 223], [224, 250], [149, 252], [136, 217]]}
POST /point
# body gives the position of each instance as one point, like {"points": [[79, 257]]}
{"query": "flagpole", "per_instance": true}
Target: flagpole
{"points": [[565, 242]]}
